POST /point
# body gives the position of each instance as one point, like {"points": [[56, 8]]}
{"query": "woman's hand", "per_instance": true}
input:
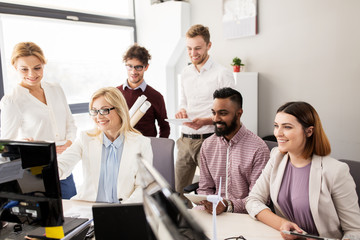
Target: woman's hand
{"points": [[289, 226], [62, 148], [29, 139]]}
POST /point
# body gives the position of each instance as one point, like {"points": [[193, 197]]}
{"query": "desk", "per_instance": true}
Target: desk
{"points": [[235, 224], [228, 224], [75, 208]]}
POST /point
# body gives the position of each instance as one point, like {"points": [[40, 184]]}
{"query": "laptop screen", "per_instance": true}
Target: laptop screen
{"points": [[127, 221]]}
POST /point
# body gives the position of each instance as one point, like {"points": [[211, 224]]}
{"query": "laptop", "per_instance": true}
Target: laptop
{"points": [[121, 221]]}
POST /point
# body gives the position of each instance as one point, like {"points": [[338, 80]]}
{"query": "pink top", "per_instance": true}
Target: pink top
{"points": [[246, 155]]}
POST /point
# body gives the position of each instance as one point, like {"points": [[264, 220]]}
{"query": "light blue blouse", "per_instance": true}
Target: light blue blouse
{"points": [[110, 164]]}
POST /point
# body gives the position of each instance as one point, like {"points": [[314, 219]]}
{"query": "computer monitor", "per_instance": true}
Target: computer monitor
{"points": [[29, 182], [165, 212]]}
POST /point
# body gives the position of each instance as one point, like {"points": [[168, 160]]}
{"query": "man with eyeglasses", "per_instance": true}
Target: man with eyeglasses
{"points": [[136, 60]]}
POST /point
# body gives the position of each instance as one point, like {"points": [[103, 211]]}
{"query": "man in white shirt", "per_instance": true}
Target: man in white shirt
{"points": [[198, 81]]}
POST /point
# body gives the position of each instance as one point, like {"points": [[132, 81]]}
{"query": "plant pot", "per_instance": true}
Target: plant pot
{"points": [[236, 68]]}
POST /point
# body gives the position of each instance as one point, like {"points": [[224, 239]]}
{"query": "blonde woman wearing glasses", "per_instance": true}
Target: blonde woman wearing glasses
{"points": [[109, 152]]}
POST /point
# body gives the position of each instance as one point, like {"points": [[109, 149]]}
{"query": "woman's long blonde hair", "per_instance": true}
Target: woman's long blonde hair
{"points": [[115, 98]]}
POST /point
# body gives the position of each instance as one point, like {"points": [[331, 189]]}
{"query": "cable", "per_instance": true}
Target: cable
{"points": [[11, 204]]}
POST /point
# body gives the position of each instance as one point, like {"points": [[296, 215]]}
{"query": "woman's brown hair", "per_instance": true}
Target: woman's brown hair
{"points": [[307, 116]]}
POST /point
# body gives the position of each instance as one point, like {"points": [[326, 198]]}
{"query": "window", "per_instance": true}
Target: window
{"points": [[82, 55], [115, 8], [83, 45]]}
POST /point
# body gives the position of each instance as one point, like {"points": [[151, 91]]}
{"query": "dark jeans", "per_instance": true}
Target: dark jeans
{"points": [[68, 189]]}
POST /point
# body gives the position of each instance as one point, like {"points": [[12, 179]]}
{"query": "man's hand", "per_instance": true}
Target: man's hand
{"points": [[219, 209], [181, 114], [198, 123]]}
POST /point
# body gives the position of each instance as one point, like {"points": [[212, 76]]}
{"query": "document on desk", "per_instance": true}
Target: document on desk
{"points": [[79, 211], [195, 198]]}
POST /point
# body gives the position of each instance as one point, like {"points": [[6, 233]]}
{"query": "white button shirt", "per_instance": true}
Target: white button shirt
{"points": [[24, 116], [197, 90]]}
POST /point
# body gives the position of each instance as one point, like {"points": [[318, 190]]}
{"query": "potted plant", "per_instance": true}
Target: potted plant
{"points": [[236, 63]]}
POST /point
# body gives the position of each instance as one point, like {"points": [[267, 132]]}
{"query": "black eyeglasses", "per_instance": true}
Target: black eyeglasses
{"points": [[103, 111], [236, 238], [137, 67]]}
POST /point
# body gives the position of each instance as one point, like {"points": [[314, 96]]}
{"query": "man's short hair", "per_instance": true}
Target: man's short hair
{"points": [[138, 52], [227, 92], [199, 30]]}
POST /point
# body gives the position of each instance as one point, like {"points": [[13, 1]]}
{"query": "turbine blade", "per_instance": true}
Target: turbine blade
{"points": [[219, 192]]}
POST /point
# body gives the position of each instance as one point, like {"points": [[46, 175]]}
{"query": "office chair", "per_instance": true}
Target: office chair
{"points": [[193, 187], [355, 173], [271, 144], [163, 158]]}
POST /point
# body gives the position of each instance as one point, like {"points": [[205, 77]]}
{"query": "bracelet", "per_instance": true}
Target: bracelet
{"points": [[229, 206]]}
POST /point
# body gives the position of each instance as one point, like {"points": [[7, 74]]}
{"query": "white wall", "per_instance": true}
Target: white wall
{"points": [[305, 50], [161, 29]]}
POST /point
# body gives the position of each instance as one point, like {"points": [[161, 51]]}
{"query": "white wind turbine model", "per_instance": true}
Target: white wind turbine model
{"points": [[215, 199]]}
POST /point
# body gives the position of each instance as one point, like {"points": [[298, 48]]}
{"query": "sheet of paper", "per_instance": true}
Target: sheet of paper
{"points": [[79, 212], [178, 121], [195, 198]]}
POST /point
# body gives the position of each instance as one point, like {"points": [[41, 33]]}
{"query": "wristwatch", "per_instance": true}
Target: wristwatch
{"points": [[229, 206]]}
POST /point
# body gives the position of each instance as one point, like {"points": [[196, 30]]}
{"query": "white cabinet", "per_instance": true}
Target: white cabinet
{"points": [[247, 85]]}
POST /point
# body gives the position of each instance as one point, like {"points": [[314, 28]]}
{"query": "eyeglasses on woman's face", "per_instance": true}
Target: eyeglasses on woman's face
{"points": [[137, 67], [104, 111]]}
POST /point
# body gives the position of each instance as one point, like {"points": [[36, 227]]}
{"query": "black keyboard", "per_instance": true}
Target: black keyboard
{"points": [[32, 230]]}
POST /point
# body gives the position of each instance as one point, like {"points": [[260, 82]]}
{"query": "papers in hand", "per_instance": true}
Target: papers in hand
{"points": [[139, 101], [195, 198], [139, 113], [138, 110], [178, 121]]}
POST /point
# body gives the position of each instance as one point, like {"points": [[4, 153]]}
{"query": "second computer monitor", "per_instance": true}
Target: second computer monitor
{"points": [[165, 212]]}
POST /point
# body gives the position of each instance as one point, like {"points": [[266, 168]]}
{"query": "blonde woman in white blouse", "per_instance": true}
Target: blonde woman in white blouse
{"points": [[37, 110]]}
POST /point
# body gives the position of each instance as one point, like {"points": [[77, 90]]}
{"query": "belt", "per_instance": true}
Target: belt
{"points": [[197, 136]]}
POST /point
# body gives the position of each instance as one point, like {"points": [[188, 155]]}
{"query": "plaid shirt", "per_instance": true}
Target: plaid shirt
{"points": [[239, 162]]}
